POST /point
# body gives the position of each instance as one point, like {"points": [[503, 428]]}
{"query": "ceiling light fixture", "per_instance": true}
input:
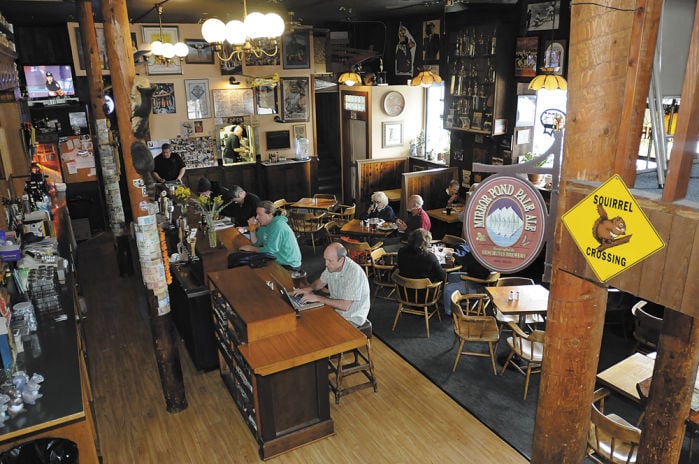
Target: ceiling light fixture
{"points": [[350, 78], [426, 78], [257, 34], [165, 52], [549, 79]]}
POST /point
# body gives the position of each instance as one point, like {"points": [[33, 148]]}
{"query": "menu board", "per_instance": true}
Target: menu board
{"points": [[233, 102]]}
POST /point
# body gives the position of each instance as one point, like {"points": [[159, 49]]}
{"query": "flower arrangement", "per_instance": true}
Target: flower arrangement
{"points": [[183, 194], [210, 206]]}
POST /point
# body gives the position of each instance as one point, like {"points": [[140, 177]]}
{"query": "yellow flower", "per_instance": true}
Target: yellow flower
{"points": [[182, 193]]}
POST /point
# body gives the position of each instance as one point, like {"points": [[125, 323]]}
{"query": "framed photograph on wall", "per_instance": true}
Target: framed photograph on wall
{"points": [[525, 56], [164, 99], [296, 50], [198, 100], [430, 41], [392, 134], [266, 99], [543, 16], [554, 55], [299, 131], [295, 99], [234, 65], [170, 34], [76, 48], [200, 52]]}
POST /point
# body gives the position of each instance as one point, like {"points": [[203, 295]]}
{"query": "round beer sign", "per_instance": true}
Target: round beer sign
{"points": [[505, 223]]}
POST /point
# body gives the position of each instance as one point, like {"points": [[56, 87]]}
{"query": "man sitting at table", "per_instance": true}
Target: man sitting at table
{"points": [[380, 208], [417, 217], [270, 232], [452, 195], [416, 260], [347, 283], [244, 204]]}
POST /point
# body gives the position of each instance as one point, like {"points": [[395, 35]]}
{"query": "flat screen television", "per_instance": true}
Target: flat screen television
{"points": [[278, 139], [49, 81]]}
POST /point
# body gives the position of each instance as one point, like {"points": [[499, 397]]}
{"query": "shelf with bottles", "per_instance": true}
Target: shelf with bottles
{"points": [[473, 100]]}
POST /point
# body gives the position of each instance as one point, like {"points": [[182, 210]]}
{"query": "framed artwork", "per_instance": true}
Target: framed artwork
{"points": [[430, 41], [198, 100], [170, 34], [76, 47], [525, 56], [405, 52], [164, 99], [200, 52], [266, 99], [543, 16], [232, 66], [554, 55], [233, 102], [295, 99], [262, 60], [296, 50], [299, 131], [392, 134], [199, 127]]}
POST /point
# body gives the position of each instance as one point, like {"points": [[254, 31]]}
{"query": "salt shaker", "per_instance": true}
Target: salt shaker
{"points": [[512, 296], [517, 295]]}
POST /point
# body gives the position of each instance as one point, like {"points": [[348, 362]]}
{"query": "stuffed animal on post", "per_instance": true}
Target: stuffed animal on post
{"points": [[141, 104]]}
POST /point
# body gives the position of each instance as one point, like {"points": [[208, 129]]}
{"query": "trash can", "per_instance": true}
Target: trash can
{"points": [[42, 451]]}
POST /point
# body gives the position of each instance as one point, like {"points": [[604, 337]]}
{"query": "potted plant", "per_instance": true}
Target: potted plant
{"points": [[417, 145]]}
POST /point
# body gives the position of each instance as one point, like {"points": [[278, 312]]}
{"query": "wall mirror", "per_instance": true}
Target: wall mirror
{"points": [[225, 143]]}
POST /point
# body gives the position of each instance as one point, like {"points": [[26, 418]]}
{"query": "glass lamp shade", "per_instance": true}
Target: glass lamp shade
{"points": [[156, 48], [255, 25], [168, 50], [181, 49], [350, 78], [235, 32], [274, 24], [548, 80], [426, 79], [213, 30]]}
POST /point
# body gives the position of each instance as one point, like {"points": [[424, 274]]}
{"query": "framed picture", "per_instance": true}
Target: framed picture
{"points": [[295, 99], [198, 100], [299, 131], [262, 60], [200, 52], [525, 56], [232, 66], [543, 16], [266, 99], [170, 34], [233, 102], [392, 132], [554, 55], [430, 41], [164, 99], [296, 50], [76, 47]]}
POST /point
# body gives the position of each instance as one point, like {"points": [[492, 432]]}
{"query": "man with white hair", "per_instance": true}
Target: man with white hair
{"points": [[417, 217]]}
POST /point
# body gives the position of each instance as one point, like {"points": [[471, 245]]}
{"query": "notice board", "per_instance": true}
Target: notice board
{"points": [[233, 102]]}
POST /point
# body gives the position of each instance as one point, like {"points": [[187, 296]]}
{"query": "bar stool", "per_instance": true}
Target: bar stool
{"points": [[356, 361]]}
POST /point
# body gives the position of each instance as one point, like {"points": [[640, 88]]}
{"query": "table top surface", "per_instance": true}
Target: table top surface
{"points": [[533, 299], [623, 376], [441, 215], [314, 203], [392, 194], [354, 227]]}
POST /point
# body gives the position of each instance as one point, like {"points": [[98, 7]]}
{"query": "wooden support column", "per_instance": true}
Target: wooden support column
{"points": [[117, 32]]}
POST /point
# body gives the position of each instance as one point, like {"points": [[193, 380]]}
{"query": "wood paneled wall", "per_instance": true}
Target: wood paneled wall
{"points": [[378, 174], [428, 184]]}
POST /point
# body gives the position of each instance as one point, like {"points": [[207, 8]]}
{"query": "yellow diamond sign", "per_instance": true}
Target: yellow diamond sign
{"points": [[611, 230]]}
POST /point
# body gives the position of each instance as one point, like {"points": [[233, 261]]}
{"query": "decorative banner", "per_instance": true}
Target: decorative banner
{"points": [[611, 230], [505, 223]]}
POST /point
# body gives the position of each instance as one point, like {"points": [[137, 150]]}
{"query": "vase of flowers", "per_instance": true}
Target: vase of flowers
{"points": [[183, 195], [210, 207]]}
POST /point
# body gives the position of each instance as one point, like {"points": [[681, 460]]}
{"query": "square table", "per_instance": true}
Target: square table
{"points": [[623, 376], [533, 299], [355, 227], [441, 215], [314, 203]]}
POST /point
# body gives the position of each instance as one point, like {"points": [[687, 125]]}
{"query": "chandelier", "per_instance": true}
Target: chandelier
{"points": [[426, 78], [350, 78], [550, 78], [164, 52], [257, 34]]}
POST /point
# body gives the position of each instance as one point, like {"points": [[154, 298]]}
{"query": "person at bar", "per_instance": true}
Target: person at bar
{"points": [[380, 208], [347, 283], [168, 165], [244, 204], [270, 233], [417, 217]]}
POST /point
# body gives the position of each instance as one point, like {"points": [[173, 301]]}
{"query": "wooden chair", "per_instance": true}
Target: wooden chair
{"points": [[417, 296], [332, 232], [646, 329], [530, 319], [306, 225], [473, 328], [342, 214], [356, 361], [529, 348], [360, 252], [325, 196], [281, 206], [452, 240], [382, 266], [610, 439]]}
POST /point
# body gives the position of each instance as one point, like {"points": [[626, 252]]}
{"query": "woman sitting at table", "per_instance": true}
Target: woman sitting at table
{"points": [[416, 260], [417, 217], [452, 195], [380, 208]]}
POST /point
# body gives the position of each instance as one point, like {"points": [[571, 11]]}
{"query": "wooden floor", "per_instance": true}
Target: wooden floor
{"points": [[408, 420]]}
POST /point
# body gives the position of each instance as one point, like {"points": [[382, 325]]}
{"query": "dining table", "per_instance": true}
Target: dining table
{"points": [[356, 228], [441, 214], [623, 376], [314, 203], [526, 299]]}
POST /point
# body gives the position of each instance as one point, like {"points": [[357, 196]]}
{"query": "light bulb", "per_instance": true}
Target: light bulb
{"points": [[168, 50], [213, 30], [274, 25], [156, 48], [255, 25], [181, 49], [235, 32]]}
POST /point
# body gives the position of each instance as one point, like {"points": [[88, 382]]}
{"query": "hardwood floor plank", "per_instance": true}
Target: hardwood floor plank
{"points": [[408, 420]]}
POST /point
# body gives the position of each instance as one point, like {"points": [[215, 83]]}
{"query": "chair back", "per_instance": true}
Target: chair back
{"points": [[281, 205], [452, 240], [326, 196], [611, 437], [512, 281], [417, 292], [529, 346], [332, 231], [342, 214], [470, 304], [647, 327]]}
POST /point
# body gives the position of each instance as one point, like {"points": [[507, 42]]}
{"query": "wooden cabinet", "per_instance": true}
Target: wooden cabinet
{"points": [[477, 78], [291, 180]]}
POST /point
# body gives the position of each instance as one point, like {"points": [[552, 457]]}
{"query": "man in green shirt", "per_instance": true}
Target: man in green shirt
{"points": [[270, 232]]}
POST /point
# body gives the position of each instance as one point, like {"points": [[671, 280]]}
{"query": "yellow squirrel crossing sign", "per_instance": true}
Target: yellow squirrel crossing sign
{"points": [[611, 230]]}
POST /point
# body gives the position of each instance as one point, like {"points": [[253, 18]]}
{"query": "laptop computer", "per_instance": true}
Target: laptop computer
{"points": [[295, 301]]}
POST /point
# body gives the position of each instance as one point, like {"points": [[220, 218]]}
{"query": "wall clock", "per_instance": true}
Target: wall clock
{"points": [[393, 103]]}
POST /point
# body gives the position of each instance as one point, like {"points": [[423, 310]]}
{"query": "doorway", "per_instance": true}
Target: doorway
{"points": [[327, 110]]}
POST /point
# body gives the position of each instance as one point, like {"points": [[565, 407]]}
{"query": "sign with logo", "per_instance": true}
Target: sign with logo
{"points": [[504, 223], [611, 230]]}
